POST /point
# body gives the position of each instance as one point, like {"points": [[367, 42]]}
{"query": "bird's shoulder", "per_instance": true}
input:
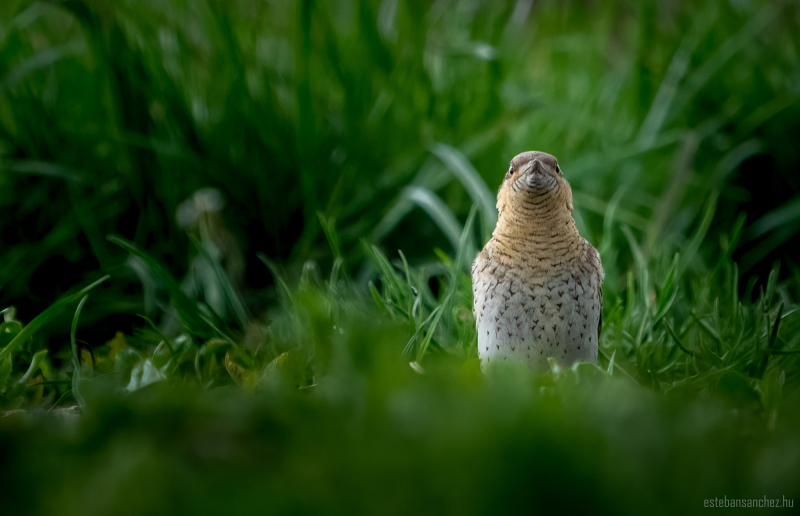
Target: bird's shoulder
{"points": [[480, 261], [483, 264], [590, 259]]}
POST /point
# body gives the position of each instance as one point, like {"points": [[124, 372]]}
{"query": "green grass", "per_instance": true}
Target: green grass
{"points": [[236, 239]]}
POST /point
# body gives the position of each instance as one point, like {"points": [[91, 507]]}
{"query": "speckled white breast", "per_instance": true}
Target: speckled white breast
{"points": [[528, 315]]}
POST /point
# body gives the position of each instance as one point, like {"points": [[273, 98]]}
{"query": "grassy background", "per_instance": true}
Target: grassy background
{"points": [[273, 206]]}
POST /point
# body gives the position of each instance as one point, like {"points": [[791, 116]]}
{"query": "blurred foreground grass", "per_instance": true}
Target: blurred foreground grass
{"points": [[271, 209]]}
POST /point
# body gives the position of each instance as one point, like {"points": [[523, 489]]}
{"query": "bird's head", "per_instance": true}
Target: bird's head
{"points": [[534, 186]]}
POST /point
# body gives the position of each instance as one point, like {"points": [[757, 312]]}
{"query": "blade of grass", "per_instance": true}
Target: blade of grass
{"points": [[232, 296], [460, 166], [46, 316], [676, 339], [668, 88], [438, 212], [72, 332], [188, 310], [697, 239]]}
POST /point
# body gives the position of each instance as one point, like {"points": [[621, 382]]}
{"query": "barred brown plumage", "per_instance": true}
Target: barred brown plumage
{"points": [[537, 283]]}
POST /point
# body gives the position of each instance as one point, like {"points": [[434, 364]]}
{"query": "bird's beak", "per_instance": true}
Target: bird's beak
{"points": [[535, 167]]}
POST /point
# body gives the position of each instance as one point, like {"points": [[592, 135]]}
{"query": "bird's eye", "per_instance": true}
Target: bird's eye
{"points": [[510, 171], [558, 169]]}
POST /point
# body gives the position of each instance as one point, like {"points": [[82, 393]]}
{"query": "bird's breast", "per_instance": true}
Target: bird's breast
{"points": [[529, 314]]}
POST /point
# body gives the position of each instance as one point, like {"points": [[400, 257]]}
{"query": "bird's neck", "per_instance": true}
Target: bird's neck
{"points": [[538, 236]]}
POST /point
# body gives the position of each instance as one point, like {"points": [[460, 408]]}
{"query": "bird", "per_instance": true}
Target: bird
{"points": [[537, 283]]}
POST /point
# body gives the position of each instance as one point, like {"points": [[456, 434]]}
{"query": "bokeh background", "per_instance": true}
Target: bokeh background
{"points": [[259, 164]]}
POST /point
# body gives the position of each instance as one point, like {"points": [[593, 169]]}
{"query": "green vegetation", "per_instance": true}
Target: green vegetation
{"points": [[236, 239]]}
